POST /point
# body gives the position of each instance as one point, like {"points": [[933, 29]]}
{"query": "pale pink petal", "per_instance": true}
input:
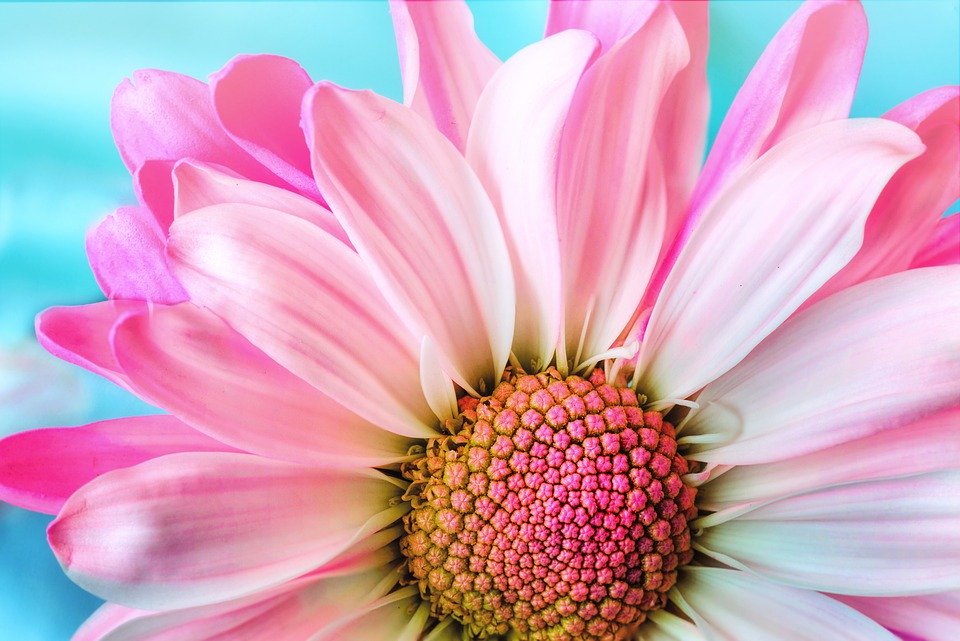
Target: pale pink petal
{"points": [[437, 387], [42, 468], [154, 189], [161, 115], [396, 617], [513, 146], [421, 221], [105, 620], [806, 76], [191, 529], [791, 221], [878, 355], [199, 185], [735, 606], [191, 363], [306, 300], [81, 335], [663, 626], [126, 254], [928, 444], [444, 64], [257, 99], [932, 617], [610, 22], [890, 537], [943, 248], [909, 207], [611, 202]]}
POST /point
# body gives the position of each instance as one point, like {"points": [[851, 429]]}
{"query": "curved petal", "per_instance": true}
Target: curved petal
{"points": [[663, 626], [806, 76], [889, 537], [513, 146], [161, 115], [932, 617], [909, 207], [257, 100], [195, 366], [198, 185], [929, 444], [81, 335], [733, 606], [788, 223], [611, 202], [42, 468], [610, 22], [154, 189], [444, 64], [306, 300], [881, 354], [396, 617], [943, 248], [422, 223], [125, 251], [192, 529]]}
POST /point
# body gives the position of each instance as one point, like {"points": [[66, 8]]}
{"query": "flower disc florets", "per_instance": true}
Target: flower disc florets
{"points": [[556, 510]]}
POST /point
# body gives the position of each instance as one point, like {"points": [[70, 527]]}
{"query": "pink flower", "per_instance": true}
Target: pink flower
{"points": [[538, 375]]}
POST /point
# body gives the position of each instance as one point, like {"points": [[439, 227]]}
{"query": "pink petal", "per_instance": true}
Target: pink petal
{"points": [[307, 301], [729, 605], [929, 444], [943, 248], [81, 335], [806, 76], [789, 222], [882, 354], [421, 221], [257, 99], [611, 221], [193, 529], [909, 207], [443, 63], [160, 115], [890, 537], [610, 22], [126, 255], [513, 146], [931, 617], [154, 189], [105, 620], [42, 468], [194, 365], [200, 185], [395, 617]]}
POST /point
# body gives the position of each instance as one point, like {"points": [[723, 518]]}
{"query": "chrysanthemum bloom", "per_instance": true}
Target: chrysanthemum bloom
{"points": [[538, 376]]}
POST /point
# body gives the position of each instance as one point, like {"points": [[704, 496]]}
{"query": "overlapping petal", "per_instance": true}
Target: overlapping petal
{"points": [[932, 617], [943, 248]]}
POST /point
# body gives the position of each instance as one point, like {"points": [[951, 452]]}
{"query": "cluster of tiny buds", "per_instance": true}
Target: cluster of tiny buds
{"points": [[555, 512]]}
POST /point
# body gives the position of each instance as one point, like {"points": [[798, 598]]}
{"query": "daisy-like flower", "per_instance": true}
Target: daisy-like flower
{"points": [[538, 376]]}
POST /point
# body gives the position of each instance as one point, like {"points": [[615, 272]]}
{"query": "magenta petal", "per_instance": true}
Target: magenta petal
{"points": [[943, 248], [42, 468], [126, 253], [257, 99], [153, 185]]}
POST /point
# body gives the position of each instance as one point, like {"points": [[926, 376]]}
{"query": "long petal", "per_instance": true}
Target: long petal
{"points": [[42, 468], [125, 251], [943, 247], [610, 22], [611, 209], [929, 444], [734, 606], [160, 115], [932, 617], [257, 100], [890, 537], [192, 529], [909, 207], [81, 335], [881, 354], [663, 626], [307, 301], [396, 617], [199, 185], [789, 223], [422, 223], [444, 64], [513, 146], [195, 366]]}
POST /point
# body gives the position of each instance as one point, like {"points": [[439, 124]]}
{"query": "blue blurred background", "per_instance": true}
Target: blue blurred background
{"points": [[59, 171]]}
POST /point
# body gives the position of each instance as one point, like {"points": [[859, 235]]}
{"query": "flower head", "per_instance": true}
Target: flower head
{"points": [[504, 362]]}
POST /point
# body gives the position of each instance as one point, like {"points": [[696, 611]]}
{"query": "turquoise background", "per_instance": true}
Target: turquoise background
{"points": [[59, 171]]}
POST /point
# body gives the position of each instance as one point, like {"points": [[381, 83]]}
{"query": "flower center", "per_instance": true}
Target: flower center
{"points": [[556, 511]]}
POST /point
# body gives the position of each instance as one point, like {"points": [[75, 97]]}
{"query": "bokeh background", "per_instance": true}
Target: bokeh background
{"points": [[59, 171]]}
